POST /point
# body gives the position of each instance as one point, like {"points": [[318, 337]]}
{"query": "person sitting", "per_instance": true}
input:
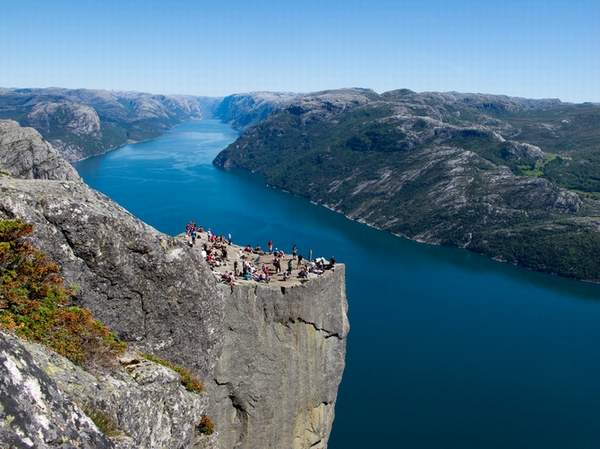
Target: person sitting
{"points": [[303, 274], [331, 264]]}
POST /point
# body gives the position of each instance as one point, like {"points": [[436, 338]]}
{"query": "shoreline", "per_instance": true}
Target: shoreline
{"points": [[327, 206], [134, 142]]}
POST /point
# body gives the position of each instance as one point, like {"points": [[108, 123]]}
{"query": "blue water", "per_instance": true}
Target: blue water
{"points": [[447, 349]]}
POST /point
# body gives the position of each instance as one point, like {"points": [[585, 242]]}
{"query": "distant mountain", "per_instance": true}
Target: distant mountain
{"points": [[244, 110], [513, 178], [82, 122]]}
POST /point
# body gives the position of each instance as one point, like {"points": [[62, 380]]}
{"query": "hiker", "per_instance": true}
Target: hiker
{"points": [[294, 251], [270, 245], [229, 239], [303, 273], [289, 270], [331, 264], [193, 235], [277, 265], [235, 267], [299, 259]]}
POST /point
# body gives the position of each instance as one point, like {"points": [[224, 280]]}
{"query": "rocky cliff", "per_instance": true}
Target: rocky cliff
{"points": [[26, 155], [83, 122], [49, 402], [282, 361], [494, 174], [161, 297]]}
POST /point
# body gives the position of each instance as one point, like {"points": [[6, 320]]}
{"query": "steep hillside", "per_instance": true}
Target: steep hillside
{"points": [[82, 122], [160, 297], [469, 170]]}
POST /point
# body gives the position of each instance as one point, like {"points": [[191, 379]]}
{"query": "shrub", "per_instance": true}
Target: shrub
{"points": [[206, 425], [36, 305], [103, 422], [188, 380]]}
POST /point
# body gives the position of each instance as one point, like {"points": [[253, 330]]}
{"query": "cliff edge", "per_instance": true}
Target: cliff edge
{"points": [[271, 361]]}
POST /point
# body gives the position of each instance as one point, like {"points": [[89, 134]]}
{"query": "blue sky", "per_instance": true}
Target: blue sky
{"points": [[529, 48]]}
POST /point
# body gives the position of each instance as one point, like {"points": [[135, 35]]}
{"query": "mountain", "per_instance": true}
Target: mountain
{"points": [[513, 178], [244, 110], [270, 358], [81, 122]]}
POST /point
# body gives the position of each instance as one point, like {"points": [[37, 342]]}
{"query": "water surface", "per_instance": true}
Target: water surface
{"points": [[447, 349]]}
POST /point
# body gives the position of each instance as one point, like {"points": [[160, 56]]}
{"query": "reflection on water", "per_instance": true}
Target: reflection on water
{"points": [[447, 348]]}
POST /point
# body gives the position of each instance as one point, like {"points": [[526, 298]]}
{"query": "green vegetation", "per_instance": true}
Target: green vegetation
{"points": [[188, 380], [36, 305], [206, 426], [538, 168], [400, 163], [572, 132], [564, 249], [103, 421]]}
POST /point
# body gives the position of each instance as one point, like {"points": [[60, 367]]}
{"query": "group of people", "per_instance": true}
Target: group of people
{"points": [[192, 231], [251, 265]]}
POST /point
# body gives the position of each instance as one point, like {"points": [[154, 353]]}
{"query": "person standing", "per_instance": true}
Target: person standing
{"points": [[294, 251], [270, 246]]}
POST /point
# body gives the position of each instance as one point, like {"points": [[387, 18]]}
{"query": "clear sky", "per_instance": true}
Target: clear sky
{"points": [[532, 48]]}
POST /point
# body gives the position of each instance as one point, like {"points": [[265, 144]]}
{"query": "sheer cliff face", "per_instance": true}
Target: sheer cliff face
{"points": [[162, 298], [282, 362]]}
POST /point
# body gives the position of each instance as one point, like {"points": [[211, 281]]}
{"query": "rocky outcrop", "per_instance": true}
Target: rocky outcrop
{"points": [[34, 413], [49, 402], [271, 359], [24, 154], [144, 285], [281, 365], [80, 119]]}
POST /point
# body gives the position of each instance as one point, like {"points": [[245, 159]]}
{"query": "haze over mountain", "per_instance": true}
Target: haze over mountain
{"points": [[84, 122]]}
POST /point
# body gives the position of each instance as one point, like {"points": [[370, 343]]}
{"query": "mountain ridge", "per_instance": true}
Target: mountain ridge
{"points": [[494, 174]]}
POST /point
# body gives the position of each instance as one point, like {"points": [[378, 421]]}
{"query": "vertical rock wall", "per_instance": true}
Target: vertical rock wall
{"points": [[276, 381]]}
